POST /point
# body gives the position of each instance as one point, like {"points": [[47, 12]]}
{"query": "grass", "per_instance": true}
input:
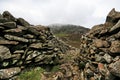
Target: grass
{"points": [[33, 74], [55, 68], [61, 35]]}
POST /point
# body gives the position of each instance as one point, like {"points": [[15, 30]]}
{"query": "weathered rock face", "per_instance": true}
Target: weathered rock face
{"points": [[99, 57], [22, 45]]}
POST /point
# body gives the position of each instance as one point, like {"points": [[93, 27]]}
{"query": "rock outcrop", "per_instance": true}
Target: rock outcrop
{"points": [[23, 45], [99, 56]]}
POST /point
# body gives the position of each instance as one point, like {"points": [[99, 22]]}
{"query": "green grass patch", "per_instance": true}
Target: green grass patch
{"points": [[32, 74], [55, 68]]}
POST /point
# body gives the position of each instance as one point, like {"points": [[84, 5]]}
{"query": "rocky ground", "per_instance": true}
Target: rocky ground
{"points": [[23, 45], [99, 56]]}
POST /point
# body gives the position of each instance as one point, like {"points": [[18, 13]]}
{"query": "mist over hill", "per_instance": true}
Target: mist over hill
{"points": [[69, 33]]}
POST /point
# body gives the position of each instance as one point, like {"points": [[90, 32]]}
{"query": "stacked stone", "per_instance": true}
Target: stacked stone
{"points": [[23, 45], [99, 57], [100, 50]]}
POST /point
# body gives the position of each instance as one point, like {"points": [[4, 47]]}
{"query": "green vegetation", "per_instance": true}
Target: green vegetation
{"points": [[61, 34], [55, 68], [35, 73], [32, 74]]}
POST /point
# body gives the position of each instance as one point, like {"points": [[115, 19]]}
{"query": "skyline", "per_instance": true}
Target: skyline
{"points": [[77, 12]]}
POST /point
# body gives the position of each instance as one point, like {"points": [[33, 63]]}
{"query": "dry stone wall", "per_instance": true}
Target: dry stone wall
{"points": [[99, 56], [23, 45]]}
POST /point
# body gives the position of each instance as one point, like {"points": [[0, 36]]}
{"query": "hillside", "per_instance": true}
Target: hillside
{"points": [[68, 33]]}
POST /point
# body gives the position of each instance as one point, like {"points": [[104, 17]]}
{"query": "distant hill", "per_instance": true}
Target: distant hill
{"points": [[69, 33]]}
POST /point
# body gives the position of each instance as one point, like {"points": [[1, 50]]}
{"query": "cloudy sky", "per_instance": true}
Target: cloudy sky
{"points": [[79, 12]]}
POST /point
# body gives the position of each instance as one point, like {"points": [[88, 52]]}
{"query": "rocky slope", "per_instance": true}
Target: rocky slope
{"points": [[23, 45], [99, 56]]}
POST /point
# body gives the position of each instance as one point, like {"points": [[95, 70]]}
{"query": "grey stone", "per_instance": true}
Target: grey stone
{"points": [[113, 16], [11, 37], [8, 42], [2, 28], [8, 73], [19, 52], [4, 53], [16, 30], [101, 43], [107, 58], [115, 68], [3, 20], [9, 16], [9, 25], [22, 22], [115, 47], [36, 45], [32, 30], [29, 36], [115, 27]]}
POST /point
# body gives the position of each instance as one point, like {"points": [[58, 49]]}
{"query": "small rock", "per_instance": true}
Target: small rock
{"points": [[101, 68], [29, 36], [107, 58], [115, 68], [36, 45], [89, 73], [2, 28], [92, 78], [18, 51], [16, 56]]}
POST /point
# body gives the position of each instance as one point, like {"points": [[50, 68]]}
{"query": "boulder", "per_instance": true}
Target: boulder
{"points": [[3, 20], [4, 53], [10, 25], [15, 38], [113, 16], [22, 22], [8, 16], [115, 28]]}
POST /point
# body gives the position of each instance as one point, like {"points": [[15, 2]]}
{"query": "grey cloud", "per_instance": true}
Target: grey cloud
{"points": [[80, 12]]}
